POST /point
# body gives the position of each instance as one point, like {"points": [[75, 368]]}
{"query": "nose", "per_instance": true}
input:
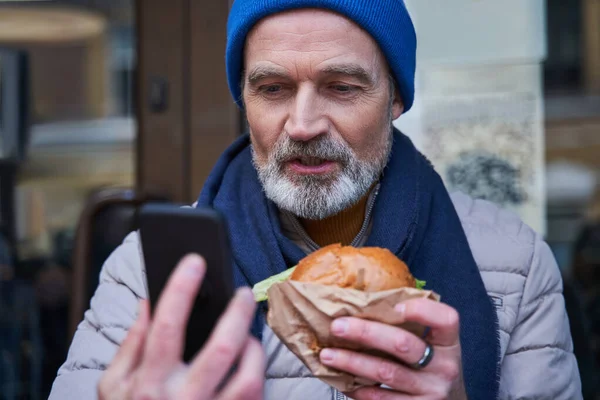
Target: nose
{"points": [[306, 119]]}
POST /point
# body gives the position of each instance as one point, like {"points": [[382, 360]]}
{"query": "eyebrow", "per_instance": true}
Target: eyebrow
{"points": [[351, 70], [262, 72]]}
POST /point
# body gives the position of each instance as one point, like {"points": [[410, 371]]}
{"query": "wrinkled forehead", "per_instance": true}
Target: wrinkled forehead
{"points": [[318, 35]]}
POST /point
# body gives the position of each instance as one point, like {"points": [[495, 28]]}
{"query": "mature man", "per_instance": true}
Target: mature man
{"points": [[321, 82]]}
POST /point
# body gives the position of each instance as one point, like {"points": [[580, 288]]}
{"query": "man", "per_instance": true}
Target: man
{"points": [[321, 82]]}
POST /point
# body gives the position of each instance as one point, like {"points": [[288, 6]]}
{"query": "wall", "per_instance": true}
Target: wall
{"points": [[478, 113]]}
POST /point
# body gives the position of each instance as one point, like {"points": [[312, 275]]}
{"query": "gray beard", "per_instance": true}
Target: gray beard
{"points": [[319, 197]]}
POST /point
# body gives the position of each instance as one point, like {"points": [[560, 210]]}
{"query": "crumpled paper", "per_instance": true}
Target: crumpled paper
{"points": [[300, 314]]}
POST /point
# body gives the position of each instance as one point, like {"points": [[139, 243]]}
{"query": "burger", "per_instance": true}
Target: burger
{"points": [[368, 269], [333, 282]]}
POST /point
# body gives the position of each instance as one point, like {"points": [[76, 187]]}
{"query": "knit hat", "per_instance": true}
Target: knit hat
{"points": [[387, 21]]}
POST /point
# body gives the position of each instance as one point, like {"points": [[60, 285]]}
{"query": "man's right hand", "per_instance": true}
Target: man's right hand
{"points": [[149, 363]]}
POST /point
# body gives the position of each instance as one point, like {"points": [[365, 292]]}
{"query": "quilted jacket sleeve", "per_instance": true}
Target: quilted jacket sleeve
{"points": [[541, 339], [113, 310]]}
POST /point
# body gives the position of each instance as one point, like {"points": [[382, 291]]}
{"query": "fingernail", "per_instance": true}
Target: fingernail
{"points": [[247, 295], [327, 355], [339, 326], [194, 266], [400, 308]]}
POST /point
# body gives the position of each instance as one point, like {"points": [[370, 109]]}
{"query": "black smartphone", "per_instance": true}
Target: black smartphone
{"points": [[168, 233]]}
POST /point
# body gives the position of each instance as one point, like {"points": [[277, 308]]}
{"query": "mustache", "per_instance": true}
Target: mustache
{"points": [[323, 147]]}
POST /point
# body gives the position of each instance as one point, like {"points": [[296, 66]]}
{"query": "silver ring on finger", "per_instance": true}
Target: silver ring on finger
{"points": [[425, 360]]}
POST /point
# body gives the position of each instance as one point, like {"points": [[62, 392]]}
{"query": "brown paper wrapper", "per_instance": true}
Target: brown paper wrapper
{"points": [[300, 314]]}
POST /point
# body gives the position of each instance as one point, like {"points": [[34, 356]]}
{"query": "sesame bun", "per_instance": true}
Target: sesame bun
{"points": [[370, 269]]}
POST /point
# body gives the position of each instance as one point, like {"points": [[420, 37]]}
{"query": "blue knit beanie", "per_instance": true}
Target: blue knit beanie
{"points": [[387, 21]]}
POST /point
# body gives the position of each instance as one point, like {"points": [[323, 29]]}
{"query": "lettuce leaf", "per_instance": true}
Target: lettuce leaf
{"points": [[261, 288]]}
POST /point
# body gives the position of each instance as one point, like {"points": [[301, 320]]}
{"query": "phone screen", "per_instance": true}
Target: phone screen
{"points": [[168, 233]]}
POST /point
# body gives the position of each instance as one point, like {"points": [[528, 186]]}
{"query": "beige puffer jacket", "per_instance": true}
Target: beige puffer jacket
{"points": [[518, 270]]}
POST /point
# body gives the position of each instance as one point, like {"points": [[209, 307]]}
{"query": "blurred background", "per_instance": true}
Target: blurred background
{"points": [[107, 104]]}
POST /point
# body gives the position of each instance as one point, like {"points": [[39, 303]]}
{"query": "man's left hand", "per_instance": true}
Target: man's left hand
{"points": [[441, 378]]}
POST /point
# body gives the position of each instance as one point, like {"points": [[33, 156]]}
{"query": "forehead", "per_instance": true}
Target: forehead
{"points": [[311, 37]]}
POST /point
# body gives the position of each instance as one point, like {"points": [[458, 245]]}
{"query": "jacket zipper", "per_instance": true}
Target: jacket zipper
{"points": [[303, 235], [363, 229], [367, 221], [337, 395]]}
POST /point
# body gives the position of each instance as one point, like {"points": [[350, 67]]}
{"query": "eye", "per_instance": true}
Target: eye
{"points": [[274, 91], [271, 89], [342, 88]]}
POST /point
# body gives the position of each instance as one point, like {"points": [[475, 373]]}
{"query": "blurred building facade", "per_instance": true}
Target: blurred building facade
{"points": [[132, 95]]}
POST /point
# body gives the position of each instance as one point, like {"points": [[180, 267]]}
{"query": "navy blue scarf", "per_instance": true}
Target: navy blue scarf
{"points": [[413, 217]]}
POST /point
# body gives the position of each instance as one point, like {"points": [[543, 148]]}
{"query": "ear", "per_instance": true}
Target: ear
{"points": [[397, 105]]}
